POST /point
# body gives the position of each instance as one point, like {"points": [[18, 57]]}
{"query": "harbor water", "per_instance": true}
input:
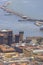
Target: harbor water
{"points": [[31, 8]]}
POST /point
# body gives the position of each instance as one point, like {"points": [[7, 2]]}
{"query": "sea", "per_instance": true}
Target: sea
{"points": [[30, 8]]}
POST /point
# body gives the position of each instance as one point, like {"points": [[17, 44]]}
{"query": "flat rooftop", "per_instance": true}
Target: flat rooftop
{"points": [[6, 48]]}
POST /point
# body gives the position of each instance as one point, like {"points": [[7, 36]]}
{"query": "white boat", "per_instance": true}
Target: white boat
{"points": [[24, 17], [38, 23]]}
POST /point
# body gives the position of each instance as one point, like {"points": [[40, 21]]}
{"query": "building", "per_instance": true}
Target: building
{"points": [[21, 35], [1, 63], [18, 50], [8, 52], [6, 48], [11, 55], [8, 35], [34, 40], [27, 53], [16, 38], [1, 38]]}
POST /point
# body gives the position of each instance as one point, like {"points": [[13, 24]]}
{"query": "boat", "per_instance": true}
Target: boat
{"points": [[7, 14], [38, 23], [24, 17]]}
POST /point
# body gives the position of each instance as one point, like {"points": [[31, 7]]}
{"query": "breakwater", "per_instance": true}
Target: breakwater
{"points": [[20, 15], [11, 11], [35, 20]]}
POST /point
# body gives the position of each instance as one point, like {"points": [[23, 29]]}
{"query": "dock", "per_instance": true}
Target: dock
{"points": [[20, 15]]}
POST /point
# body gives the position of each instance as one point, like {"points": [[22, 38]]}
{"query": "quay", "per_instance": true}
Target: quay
{"points": [[20, 15]]}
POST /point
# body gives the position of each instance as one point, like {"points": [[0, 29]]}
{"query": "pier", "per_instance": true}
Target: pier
{"points": [[20, 15]]}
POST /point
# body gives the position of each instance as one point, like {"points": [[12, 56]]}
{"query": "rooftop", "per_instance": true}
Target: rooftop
{"points": [[6, 48], [5, 30]]}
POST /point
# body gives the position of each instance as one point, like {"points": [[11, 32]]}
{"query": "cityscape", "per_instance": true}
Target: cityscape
{"points": [[21, 35], [14, 49]]}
